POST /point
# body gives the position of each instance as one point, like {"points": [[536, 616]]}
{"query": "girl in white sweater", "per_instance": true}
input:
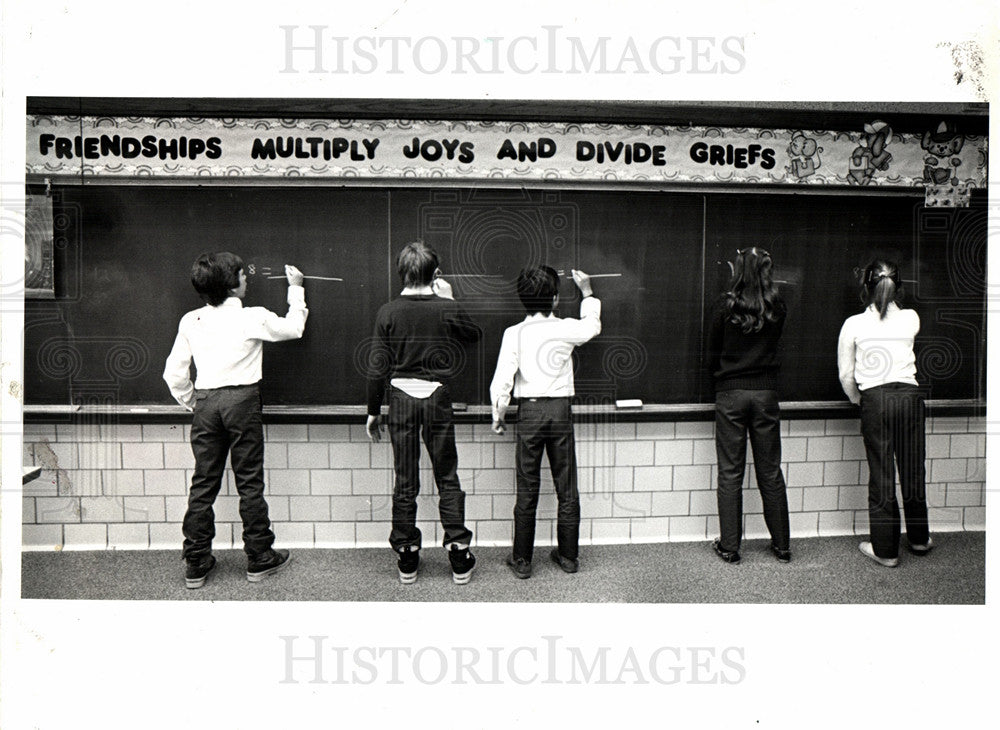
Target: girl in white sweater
{"points": [[878, 372]]}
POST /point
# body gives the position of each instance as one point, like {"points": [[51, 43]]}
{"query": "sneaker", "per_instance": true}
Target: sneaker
{"points": [[568, 565], [869, 552], [462, 563], [408, 564], [730, 556], [267, 563], [783, 556], [197, 572], [519, 566], [921, 549]]}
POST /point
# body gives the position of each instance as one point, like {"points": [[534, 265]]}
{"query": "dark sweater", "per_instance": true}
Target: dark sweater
{"points": [[417, 336], [740, 360]]}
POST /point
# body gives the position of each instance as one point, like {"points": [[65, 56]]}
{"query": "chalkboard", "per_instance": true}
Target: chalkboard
{"points": [[123, 255]]}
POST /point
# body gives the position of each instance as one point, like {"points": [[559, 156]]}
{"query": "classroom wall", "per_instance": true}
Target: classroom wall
{"points": [[124, 486]]}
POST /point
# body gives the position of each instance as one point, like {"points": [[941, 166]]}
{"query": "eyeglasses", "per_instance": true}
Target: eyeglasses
{"points": [[752, 249]]}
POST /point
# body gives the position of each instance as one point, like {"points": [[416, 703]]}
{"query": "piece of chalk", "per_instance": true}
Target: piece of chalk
{"points": [[460, 406], [628, 403], [139, 410], [322, 278]]}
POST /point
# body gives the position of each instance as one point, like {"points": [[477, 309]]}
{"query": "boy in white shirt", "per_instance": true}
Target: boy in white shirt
{"points": [[536, 361], [224, 340]]}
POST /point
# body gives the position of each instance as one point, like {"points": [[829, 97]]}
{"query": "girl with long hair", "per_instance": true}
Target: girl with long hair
{"points": [[878, 372], [743, 361]]}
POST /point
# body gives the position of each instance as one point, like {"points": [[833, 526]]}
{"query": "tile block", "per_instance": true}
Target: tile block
{"points": [[142, 455], [669, 453], [42, 536], [128, 536], [179, 455], [349, 456], [836, 523], [312, 455], [334, 534], [689, 528], [101, 509], [165, 536], [698, 476], [144, 509], [309, 509], [163, 432], [825, 448], [57, 509], [164, 482], [815, 499], [670, 504], [650, 529], [331, 481], [85, 537], [653, 478]]}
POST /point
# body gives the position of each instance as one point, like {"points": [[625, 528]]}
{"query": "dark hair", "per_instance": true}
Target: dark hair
{"points": [[416, 264], [753, 297], [880, 285], [537, 287], [214, 274]]}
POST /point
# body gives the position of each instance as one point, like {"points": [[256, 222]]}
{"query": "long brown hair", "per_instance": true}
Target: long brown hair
{"points": [[753, 298]]}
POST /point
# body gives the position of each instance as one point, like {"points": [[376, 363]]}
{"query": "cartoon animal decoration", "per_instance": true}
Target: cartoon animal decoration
{"points": [[803, 154], [871, 155], [942, 144]]}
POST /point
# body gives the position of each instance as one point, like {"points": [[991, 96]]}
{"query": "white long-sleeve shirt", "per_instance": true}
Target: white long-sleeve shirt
{"points": [[536, 356], [225, 343], [873, 351]]}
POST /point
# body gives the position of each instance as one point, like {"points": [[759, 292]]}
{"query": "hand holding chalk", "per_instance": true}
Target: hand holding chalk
{"points": [[499, 427], [441, 287], [294, 275], [583, 282]]}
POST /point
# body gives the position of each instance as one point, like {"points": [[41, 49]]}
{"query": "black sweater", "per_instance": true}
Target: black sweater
{"points": [[417, 336], [740, 360]]}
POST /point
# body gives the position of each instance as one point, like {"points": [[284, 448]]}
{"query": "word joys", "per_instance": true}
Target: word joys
{"points": [[433, 150]]}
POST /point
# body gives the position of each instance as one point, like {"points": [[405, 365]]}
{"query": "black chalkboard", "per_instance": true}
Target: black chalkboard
{"points": [[123, 255]]}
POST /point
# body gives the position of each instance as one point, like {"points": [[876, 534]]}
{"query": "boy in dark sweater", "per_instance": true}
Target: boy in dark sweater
{"points": [[417, 347]]}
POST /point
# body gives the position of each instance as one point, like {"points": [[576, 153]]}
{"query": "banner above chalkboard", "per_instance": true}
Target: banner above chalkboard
{"points": [[940, 159]]}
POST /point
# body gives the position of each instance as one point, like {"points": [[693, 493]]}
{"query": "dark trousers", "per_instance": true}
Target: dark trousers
{"points": [[892, 425], [227, 422], [545, 425], [411, 419], [753, 412]]}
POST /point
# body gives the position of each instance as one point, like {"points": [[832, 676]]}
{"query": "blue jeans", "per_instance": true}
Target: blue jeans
{"points": [[411, 419], [737, 414], [892, 425], [545, 425], [227, 422]]}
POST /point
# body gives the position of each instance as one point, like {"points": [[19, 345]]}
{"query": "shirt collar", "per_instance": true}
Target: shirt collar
{"points": [[413, 291], [539, 316], [232, 302]]}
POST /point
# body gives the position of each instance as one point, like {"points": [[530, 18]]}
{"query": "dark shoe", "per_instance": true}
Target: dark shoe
{"points": [[568, 565], [869, 552], [783, 556], [197, 572], [462, 563], [730, 556], [263, 565], [921, 549], [519, 566], [408, 564]]}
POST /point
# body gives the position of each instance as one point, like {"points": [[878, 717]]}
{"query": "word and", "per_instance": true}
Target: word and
{"points": [[93, 148], [740, 157], [306, 148]]}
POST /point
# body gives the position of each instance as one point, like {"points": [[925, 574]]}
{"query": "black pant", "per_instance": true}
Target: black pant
{"points": [[227, 422], [737, 413], [546, 425], [411, 419], [892, 425]]}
